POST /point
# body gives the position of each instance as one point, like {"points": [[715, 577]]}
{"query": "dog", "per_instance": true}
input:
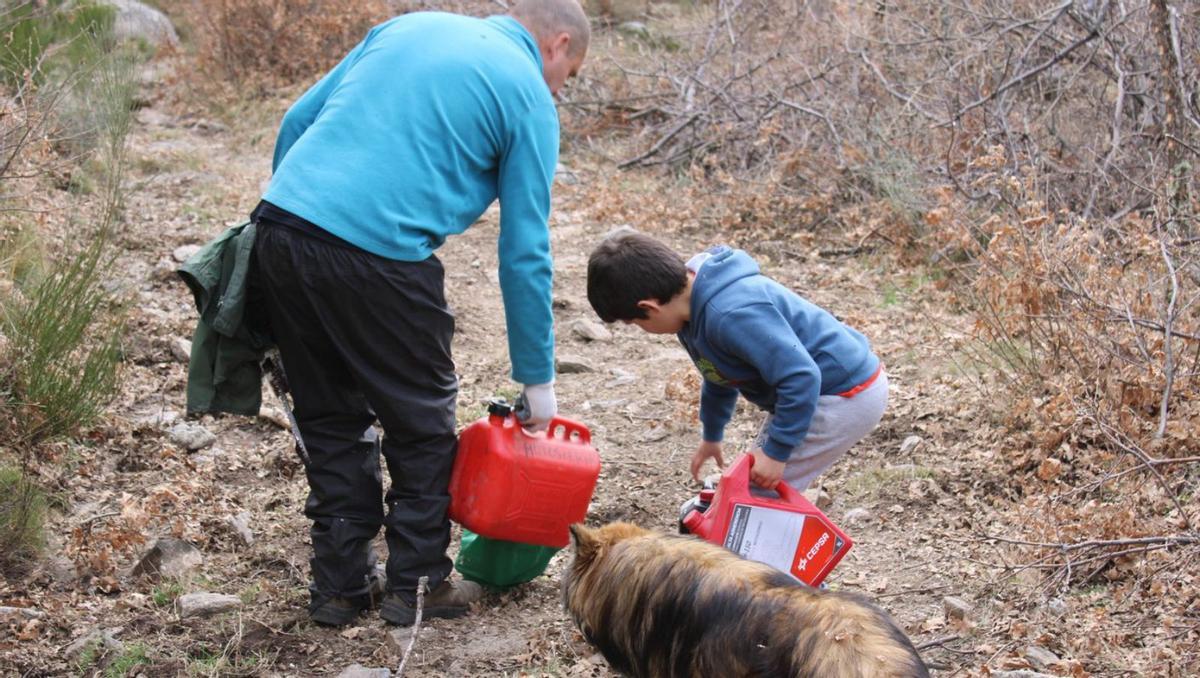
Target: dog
{"points": [[673, 606]]}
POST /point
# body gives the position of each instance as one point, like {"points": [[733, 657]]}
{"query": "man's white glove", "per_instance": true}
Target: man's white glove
{"points": [[536, 406]]}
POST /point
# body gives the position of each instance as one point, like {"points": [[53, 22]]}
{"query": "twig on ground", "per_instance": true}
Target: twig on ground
{"points": [[416, 627]]}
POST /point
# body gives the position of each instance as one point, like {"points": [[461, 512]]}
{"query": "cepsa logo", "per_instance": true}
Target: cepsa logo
{"points": [[812, 552]]}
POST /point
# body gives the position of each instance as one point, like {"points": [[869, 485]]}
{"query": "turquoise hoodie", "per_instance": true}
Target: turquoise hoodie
{"points": [[423, 125], [749, 334]]}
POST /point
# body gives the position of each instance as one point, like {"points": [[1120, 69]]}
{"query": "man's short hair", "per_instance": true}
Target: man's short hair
{"points": [[628, 267], [546, 18]]}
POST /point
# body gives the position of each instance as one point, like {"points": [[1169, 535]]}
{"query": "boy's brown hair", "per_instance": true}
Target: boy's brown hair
{"points": [[628, 267]]}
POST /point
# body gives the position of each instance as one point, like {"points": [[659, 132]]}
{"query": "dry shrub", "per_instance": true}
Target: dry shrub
{"points": [[276, 42]]}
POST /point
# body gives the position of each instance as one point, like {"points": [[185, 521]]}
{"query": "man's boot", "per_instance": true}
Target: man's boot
{"points": [[452, 598]]}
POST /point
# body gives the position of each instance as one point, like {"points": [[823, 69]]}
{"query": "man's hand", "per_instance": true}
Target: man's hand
{"points": [[766, 472], [536, 406], [708, 450]]}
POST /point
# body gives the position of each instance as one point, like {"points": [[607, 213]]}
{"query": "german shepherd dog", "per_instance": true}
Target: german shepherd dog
{"points": [[670, 606]]}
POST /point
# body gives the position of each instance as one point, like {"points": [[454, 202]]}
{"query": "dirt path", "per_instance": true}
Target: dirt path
{"points": [[911, 485]]}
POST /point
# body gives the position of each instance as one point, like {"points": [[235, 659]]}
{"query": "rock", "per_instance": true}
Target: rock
{"points": [[590, 330], [620, 378], [572, 365], [398, 639], [1058, 607], [655, 434], [857, 515], [184, 252], [634, 28], [240, 524], [956, 608], [208, 127], [136, 21], [1040, 657], [164, 270], [191, 437], [205, 604], [360, 671], [818, 497], [103, 640], [20, 613], [181, 349], [169, 557], [910, 444], [276, 417], [1022, 673], [564, 175]]}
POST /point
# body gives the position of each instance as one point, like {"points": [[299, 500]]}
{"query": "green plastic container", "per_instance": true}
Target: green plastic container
{"points": [[500, 564]]}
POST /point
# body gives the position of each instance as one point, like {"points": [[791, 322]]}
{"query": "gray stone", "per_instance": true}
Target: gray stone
{"points": [[102, 640], [184, 252], [191, 437], [205, 604], [956, 608], [910, 444], [572, 365], [655, 434], [360, 671], [240, 524], [398, 639], [1040, 657], [590, 330], [1058, 607], [136, 21], [169, 557], [621, 378], [181, 349], [817, 497], [23, 613], [276, 417], [858, 515], [564, 175], [634, 28]]}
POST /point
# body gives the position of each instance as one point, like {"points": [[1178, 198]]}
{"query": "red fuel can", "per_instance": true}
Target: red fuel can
{"points": [[523, 487], [786, 532]]}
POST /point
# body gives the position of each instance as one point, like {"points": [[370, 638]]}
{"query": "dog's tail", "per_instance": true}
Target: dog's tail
{"points": [[857, 633]]}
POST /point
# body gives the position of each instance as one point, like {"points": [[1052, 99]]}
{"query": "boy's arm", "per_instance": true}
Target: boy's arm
{"points": [[763, 338], [304, 111], [716, 409]]}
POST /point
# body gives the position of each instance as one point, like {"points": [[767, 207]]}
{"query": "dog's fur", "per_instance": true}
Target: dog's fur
{"points": [[660, 606]]}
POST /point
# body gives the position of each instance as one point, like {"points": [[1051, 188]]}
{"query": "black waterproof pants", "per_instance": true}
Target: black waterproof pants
{"points": [[364, 338]]}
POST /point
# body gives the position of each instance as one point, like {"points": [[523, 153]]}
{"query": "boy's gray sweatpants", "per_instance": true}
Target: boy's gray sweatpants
{"points": [[836, 425]]}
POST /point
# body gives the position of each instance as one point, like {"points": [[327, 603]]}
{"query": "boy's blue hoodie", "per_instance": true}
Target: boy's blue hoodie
{"points": [[749, 334]]}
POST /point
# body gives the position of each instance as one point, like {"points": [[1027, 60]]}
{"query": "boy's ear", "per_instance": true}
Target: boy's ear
{"points": [[649, 305]]}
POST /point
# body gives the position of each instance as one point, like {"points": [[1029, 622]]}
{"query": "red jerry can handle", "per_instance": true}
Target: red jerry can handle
{"points": [[560, 428], [739, 477]]}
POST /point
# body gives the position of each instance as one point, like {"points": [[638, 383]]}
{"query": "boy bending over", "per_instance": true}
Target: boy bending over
{"points": [[822, 387]]}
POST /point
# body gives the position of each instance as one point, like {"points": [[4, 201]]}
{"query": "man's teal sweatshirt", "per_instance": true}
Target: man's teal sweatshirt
{"points": [[408, 140]]}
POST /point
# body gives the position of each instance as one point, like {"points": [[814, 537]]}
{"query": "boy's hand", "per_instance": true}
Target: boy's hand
{"points": [[766, 472], [708, 450]]}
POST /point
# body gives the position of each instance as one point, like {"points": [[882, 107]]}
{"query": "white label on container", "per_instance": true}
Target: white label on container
{"points": [[765, 535]]}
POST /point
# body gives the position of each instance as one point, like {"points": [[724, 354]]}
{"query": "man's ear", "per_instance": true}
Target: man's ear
{"points": [[560, 45]]}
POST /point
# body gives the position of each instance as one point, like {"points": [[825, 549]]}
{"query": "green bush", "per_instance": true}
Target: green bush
{"points": [[22, 513], [63, 349], [37, 38]]}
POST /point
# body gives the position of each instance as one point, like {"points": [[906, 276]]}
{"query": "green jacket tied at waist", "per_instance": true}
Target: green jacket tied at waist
{"points": [[232, 335]]}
